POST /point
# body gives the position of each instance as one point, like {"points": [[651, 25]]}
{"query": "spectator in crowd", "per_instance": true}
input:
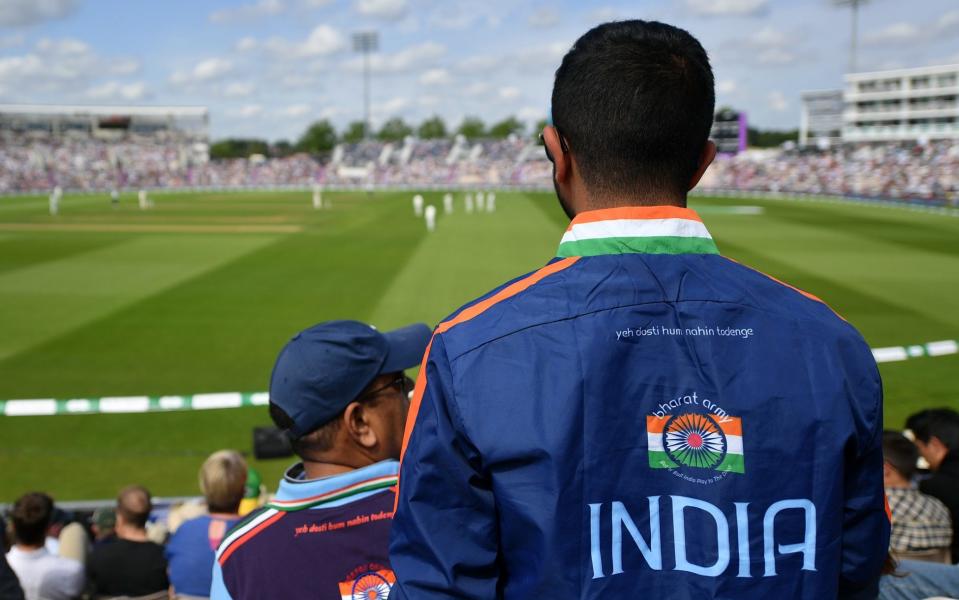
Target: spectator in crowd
{"points": [[191, 548], [339, 391], [103, 524], [42, 575], [920, 524], [9, 584], [254, 494], [936, 433], [586, 432], [132, 565]]}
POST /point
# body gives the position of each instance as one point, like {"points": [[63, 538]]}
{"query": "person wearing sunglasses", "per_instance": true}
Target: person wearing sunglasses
{"points": [[340, 393], [642, 417]]}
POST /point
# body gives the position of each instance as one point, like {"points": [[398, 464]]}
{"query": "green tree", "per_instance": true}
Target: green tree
{"points": [[539, 127], [282, 148], [771, 138], [394, 130], [432, 128], [319, 137], [472, 127], [355, 132], [505, 127], [238, 148]]}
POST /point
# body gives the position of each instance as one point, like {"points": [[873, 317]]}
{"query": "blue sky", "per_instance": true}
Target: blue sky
{"points": [[266, 68]]}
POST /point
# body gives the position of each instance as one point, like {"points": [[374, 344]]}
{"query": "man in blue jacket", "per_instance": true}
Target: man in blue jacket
{"points": [[641, 417]]}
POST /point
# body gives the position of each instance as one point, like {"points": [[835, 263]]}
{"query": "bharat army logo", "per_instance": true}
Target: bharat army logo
{"points": [[695, 440], [368, 585]]}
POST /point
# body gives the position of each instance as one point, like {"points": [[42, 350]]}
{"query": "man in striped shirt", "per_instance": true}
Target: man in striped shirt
{"points": [[339, 391]]}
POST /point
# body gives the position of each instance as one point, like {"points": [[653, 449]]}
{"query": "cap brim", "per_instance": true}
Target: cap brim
{"points": [[406, 347]]}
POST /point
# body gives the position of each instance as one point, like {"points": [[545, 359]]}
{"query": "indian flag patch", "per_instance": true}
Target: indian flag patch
{"points": [[368, 585], [695, 440]]}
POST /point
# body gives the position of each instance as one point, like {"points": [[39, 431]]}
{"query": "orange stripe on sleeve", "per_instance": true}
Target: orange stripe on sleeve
{"points": [[783, 283], [249, 535], [635, 212], [465, 315]]}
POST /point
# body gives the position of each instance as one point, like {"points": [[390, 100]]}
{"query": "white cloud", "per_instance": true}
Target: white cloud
{"points": [[248, 12], [721, 8], [18, 13], [544, 17], [897, 33], [478, 88], [412, 58], [726, 86], [509, 93], [479, 64], [296, 110], [391, 107], [948, 22], [12, 41], [246, 44], [114, 90], [464, 14], [246, 112], [66, 67], [322, 41], [238, 89], [206, 70], [603, 14], [429, 101], [389, 10], [777, 101], [436, 77], [531, 113]]}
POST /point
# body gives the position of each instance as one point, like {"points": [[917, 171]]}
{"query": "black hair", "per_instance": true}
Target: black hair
{"points": [[899, 452], [320, 439], [31, 516], [942, 423], [635, 101]]}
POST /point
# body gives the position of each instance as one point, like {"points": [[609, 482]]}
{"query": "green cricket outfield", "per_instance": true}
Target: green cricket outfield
{"points": [[198, 294]]}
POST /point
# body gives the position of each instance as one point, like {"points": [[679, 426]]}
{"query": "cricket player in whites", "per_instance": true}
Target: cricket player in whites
{"points": [[143, 200], [418, 205], [448, 203], [317, 196], [468, 203], [491, 202], [430, 216], [480, 202], [55, 197]]}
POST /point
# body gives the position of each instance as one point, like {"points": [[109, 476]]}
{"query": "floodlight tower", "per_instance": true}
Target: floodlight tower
{"points": [[854, 4], [366, 42]]}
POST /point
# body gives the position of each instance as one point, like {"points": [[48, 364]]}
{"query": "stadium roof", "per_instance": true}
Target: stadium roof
{"points": [[104, 110]]}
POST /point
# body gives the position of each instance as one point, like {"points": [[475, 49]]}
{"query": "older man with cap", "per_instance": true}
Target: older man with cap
{"points": [[339, 392]]}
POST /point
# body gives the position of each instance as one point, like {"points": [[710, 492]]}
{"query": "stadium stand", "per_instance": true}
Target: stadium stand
{"points": [[928, 173]]}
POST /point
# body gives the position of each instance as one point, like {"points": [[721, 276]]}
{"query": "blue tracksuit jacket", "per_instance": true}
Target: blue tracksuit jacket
{"points": [[642, 418]]}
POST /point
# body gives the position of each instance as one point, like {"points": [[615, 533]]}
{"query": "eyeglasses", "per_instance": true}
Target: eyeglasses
{"points": [[401, 384], [562, 145]]}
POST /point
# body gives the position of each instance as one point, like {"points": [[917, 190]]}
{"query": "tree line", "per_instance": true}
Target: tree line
{"points": [[321, 136]]}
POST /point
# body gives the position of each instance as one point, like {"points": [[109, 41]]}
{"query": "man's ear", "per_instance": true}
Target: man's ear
{"points": [[356, 421], [705, 159], [561, 158]]}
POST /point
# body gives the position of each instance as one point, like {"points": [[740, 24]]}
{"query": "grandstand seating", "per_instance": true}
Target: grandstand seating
{"points": [[894, 171]]}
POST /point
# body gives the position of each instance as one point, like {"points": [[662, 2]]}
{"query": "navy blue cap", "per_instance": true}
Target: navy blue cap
{"points": [[324, 368]]}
